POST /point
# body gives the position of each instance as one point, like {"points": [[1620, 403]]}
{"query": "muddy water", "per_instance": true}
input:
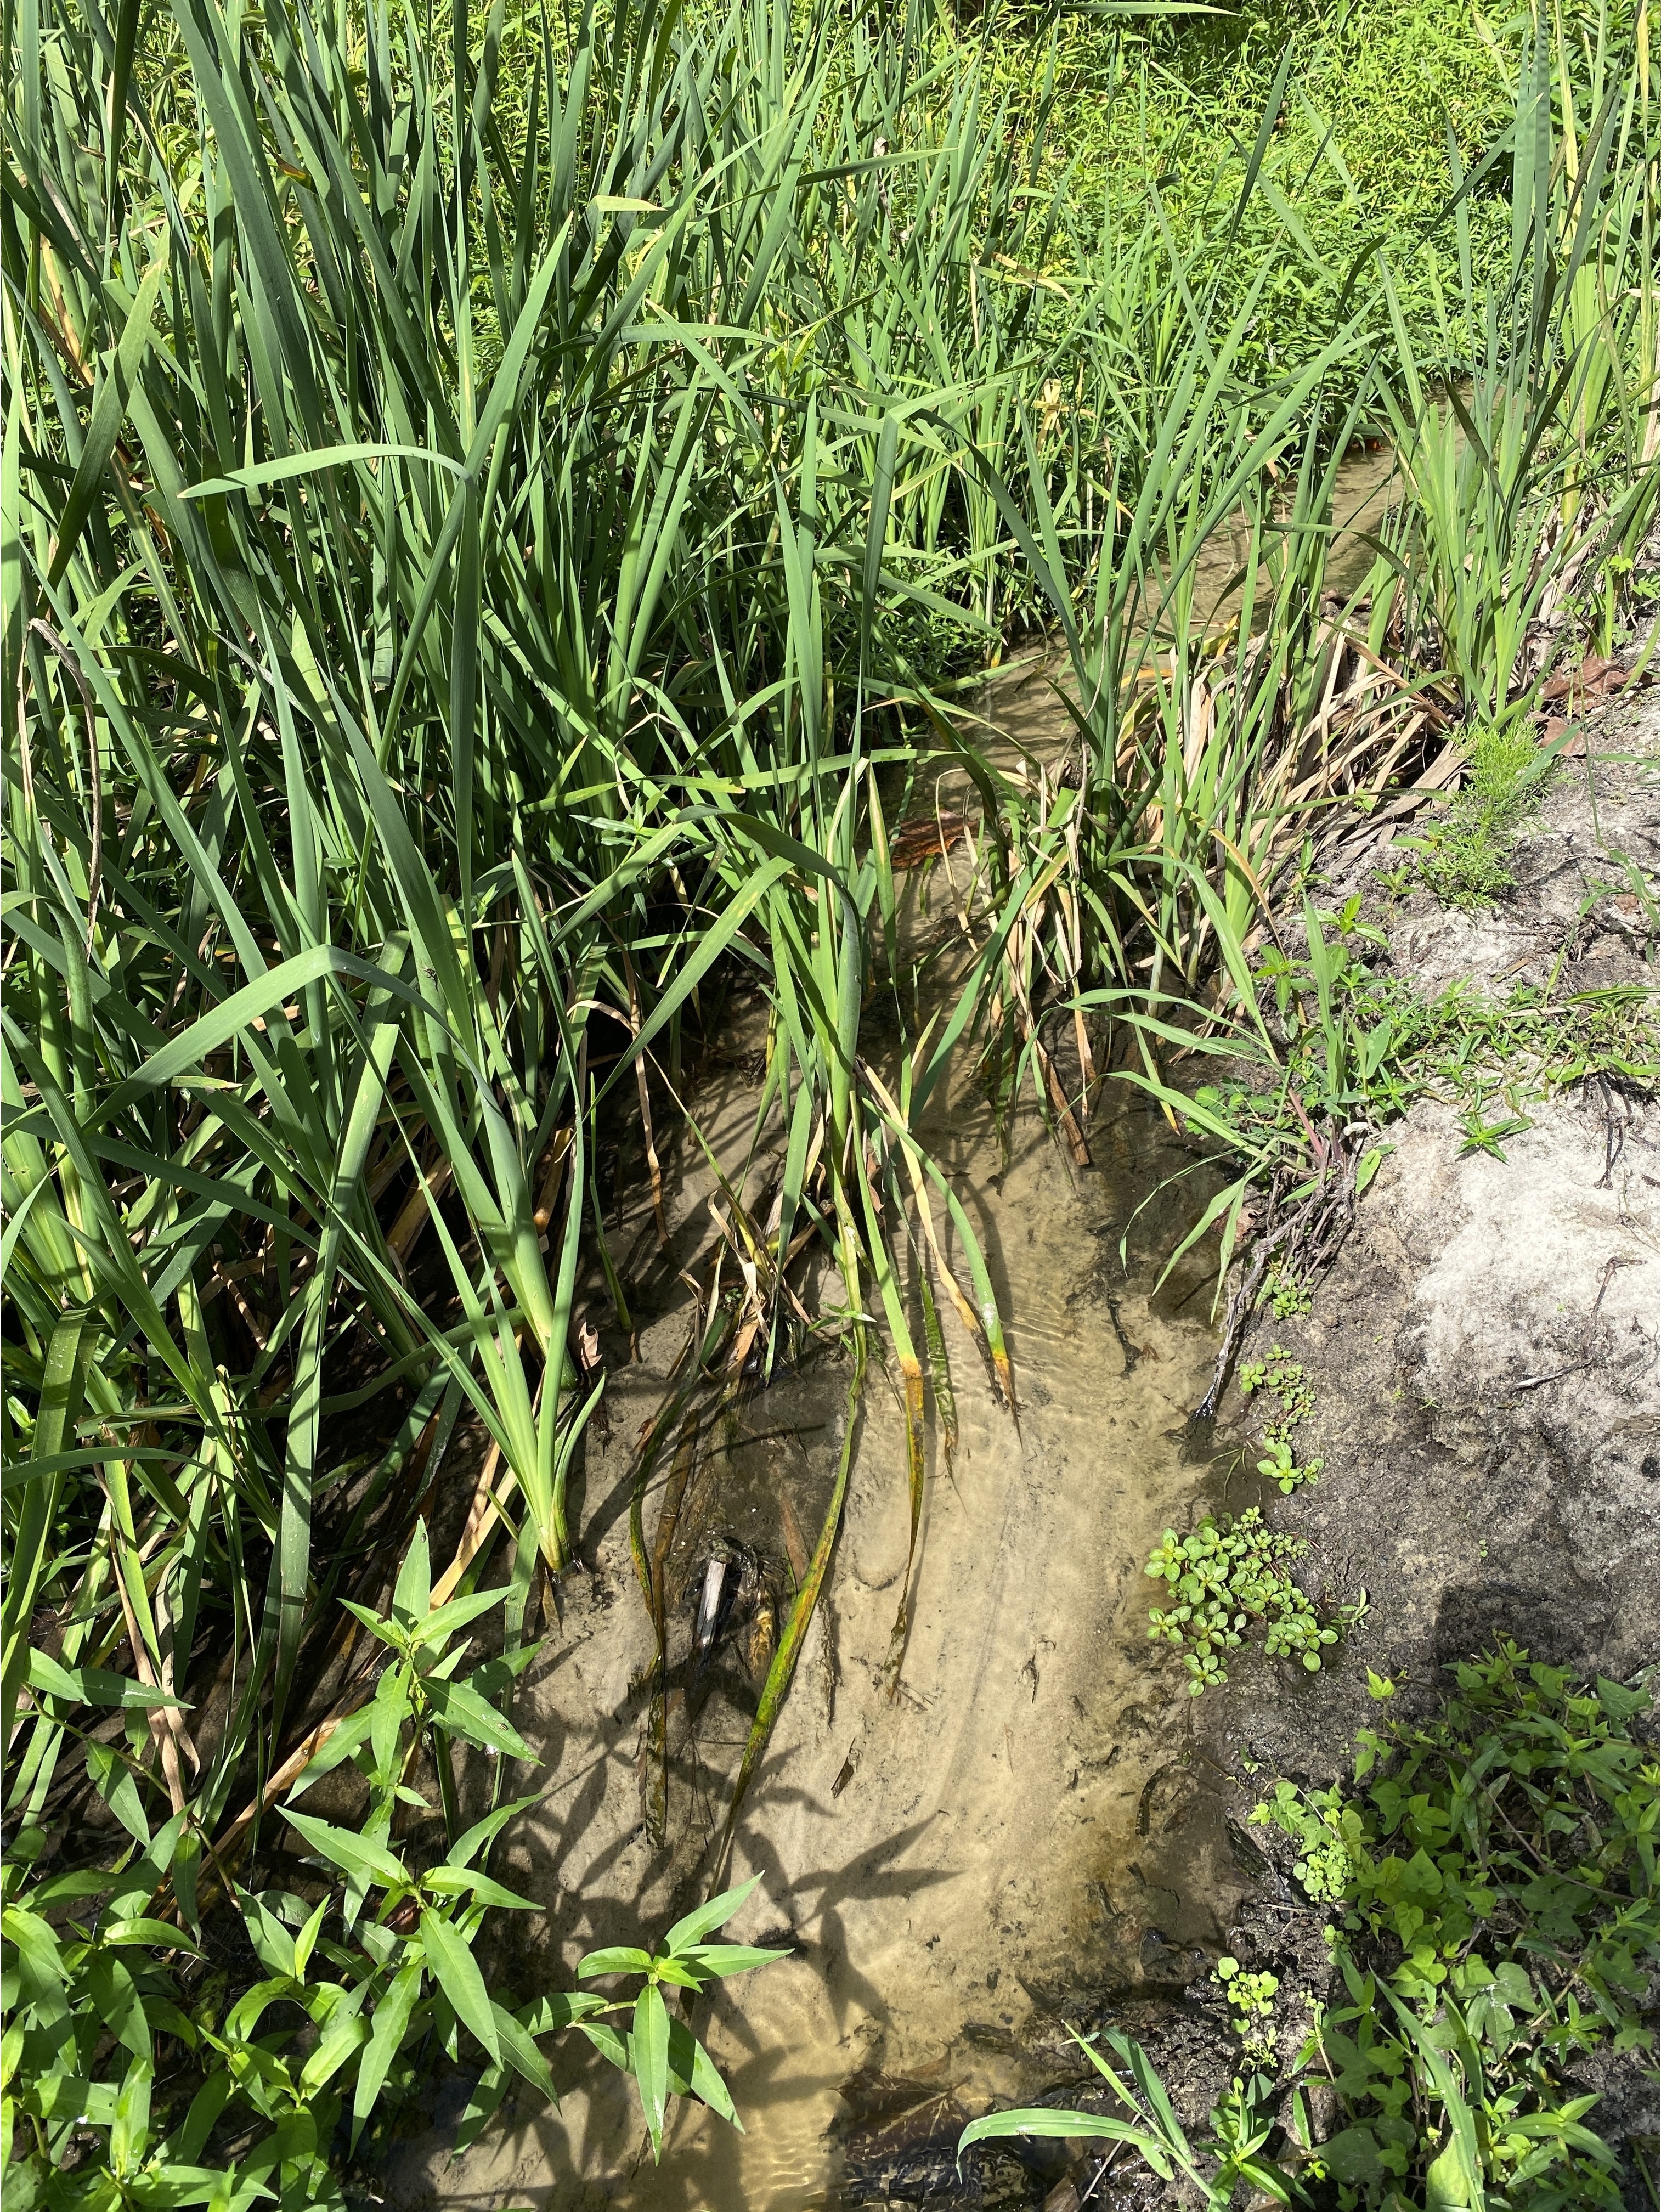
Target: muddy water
{"points": [[1014, 1830], [1022, 1833], [1364, 490], [981, 1859]]}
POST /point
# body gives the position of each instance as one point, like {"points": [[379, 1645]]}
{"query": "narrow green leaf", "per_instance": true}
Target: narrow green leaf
{"points": [[387, 2030], [649, 2049], [456, 1973], [355, 1854]]}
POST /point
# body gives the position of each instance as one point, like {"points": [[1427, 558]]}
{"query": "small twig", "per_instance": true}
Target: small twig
{"points": [[1100, 2175], [1614, 1136], [1242, 1300]]}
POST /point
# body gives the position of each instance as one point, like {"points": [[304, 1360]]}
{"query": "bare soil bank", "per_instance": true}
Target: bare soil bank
{"points": [[1483, 1361]]}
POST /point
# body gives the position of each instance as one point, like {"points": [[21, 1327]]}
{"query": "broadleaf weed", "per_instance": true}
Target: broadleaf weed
{"points": [[1227, 1575]]}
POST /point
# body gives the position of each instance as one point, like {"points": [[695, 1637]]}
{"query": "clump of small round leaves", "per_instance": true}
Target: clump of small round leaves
{"points": [[1251, 2005], [1223, 1576]]}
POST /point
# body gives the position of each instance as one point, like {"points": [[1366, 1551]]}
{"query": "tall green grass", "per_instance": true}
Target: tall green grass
{"points": [[447, 598], [1204, 765]]}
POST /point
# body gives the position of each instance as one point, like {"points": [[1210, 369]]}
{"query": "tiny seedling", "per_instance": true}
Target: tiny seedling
{"points": [[1288, 1296], [1251, 2007], [1484, 1136]]}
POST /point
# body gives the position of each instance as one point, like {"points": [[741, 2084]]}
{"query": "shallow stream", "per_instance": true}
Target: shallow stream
{"points": [[1024, 1829], [1013, 1832]]}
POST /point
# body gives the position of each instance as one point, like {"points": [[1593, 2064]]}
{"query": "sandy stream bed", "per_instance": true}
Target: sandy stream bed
{"points": [[1042, 1827]]}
